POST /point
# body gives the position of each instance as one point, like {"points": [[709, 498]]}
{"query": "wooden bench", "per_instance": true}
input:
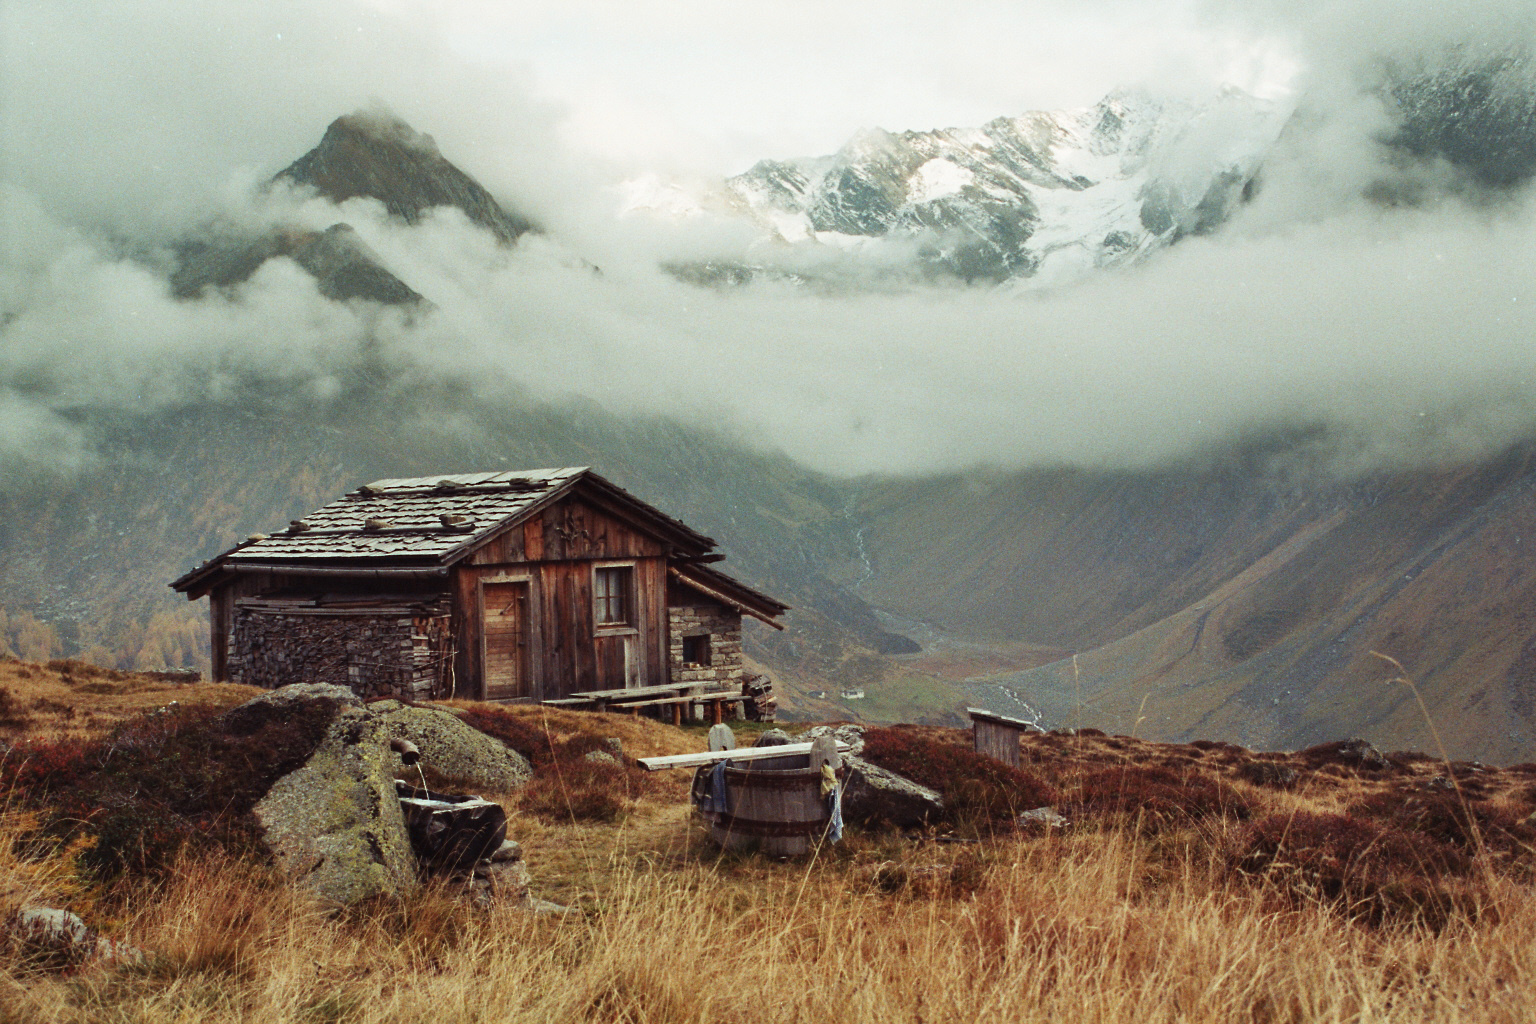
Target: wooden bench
{"points": [[676, 704]]}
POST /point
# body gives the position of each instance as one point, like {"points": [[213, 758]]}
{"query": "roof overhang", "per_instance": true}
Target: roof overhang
{"points": [[729, 592]]}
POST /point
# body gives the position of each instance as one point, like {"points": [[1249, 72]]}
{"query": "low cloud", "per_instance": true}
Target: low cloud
{"points": [[1403, 332]]}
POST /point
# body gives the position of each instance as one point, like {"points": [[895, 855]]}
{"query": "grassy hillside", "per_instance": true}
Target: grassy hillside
{"points": [[1196, 881]]}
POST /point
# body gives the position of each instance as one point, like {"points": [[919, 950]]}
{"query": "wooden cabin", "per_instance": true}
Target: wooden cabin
{"points": [[491, 586]]}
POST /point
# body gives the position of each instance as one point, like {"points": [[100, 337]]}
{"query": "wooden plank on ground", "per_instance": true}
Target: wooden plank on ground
{"points": [[652, 764]]}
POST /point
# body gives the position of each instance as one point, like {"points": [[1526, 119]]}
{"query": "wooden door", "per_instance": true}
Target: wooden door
{"points": [[505, 607]]}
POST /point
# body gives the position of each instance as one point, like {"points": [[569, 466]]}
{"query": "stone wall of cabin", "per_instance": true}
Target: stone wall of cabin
{"points": [[377, 655], [723, 627]]}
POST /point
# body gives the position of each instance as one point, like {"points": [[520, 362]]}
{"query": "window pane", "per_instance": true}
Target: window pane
{"points": [[610, 593]]}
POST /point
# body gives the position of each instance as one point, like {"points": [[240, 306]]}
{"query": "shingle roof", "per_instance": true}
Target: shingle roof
{"points": [[403, 517], [429, 521]]}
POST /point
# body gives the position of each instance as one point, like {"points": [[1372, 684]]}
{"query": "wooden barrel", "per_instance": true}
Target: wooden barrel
{"points": [[775, 805]]}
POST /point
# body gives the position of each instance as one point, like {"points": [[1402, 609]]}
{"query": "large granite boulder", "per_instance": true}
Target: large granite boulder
{"points": [[452, 749], [309, 700], [874, 796], [335, 823]]}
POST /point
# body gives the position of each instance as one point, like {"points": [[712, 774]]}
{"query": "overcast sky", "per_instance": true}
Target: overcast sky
{"points": [[124, 126]]}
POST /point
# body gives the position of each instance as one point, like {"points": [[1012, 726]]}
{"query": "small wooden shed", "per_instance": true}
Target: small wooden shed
{"points": [[494, 586], [998, 735]]}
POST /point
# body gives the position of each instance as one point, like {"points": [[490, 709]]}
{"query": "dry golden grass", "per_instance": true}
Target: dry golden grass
{"points": [[1105, 922], [1095, 927], [72, 699]]}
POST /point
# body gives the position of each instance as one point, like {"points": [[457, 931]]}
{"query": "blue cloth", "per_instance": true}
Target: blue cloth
{"points": [[835, 814], [715, 800]]}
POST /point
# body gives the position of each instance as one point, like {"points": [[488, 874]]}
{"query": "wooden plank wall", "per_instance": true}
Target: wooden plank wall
{"points": [[997, 740], [557, 550]]}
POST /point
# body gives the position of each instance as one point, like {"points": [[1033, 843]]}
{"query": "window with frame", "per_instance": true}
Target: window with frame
{"points": [[612, 588]]}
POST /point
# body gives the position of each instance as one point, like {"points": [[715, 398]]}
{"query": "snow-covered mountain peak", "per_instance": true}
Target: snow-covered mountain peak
{"points": [[1078, 189]]}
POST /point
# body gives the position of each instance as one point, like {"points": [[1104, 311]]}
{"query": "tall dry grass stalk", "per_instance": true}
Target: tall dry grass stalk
{"points": [[1094, 927], [1401, 677]]}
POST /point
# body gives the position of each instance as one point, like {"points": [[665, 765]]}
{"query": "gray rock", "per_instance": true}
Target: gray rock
{"points": [[874, 796], [853, 735], [773, 738], [509, 878], [1365, 754], [824, 753], [599, 757], [1044, 817], [615, 747], [1441, 782], [508, 850], [54, 932], [63, 937], [335, 824], [286, 702], [453, 749]]}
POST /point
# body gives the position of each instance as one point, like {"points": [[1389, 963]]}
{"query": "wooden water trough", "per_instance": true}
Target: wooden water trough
{"points": [[767, 797]]}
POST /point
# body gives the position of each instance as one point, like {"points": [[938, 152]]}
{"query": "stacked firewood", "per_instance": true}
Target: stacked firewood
{"points": [[762, 707]]}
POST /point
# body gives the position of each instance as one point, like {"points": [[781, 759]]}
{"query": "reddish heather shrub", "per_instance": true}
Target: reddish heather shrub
{"points": [[1219, 747], [160, 783], [1445, 818], [577, 789], [12, 716], [1156, 795], [978, 791], [528, 736], [1269, 772], [1367, 872], [565, 785]]}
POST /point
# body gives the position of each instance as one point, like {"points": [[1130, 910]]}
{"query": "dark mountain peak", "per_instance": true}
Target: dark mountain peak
{"points": [[374, 153], [341, 263]]}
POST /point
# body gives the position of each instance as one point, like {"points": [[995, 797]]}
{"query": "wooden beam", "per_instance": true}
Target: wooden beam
{"points": [[729, 602], [652, 764]]}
